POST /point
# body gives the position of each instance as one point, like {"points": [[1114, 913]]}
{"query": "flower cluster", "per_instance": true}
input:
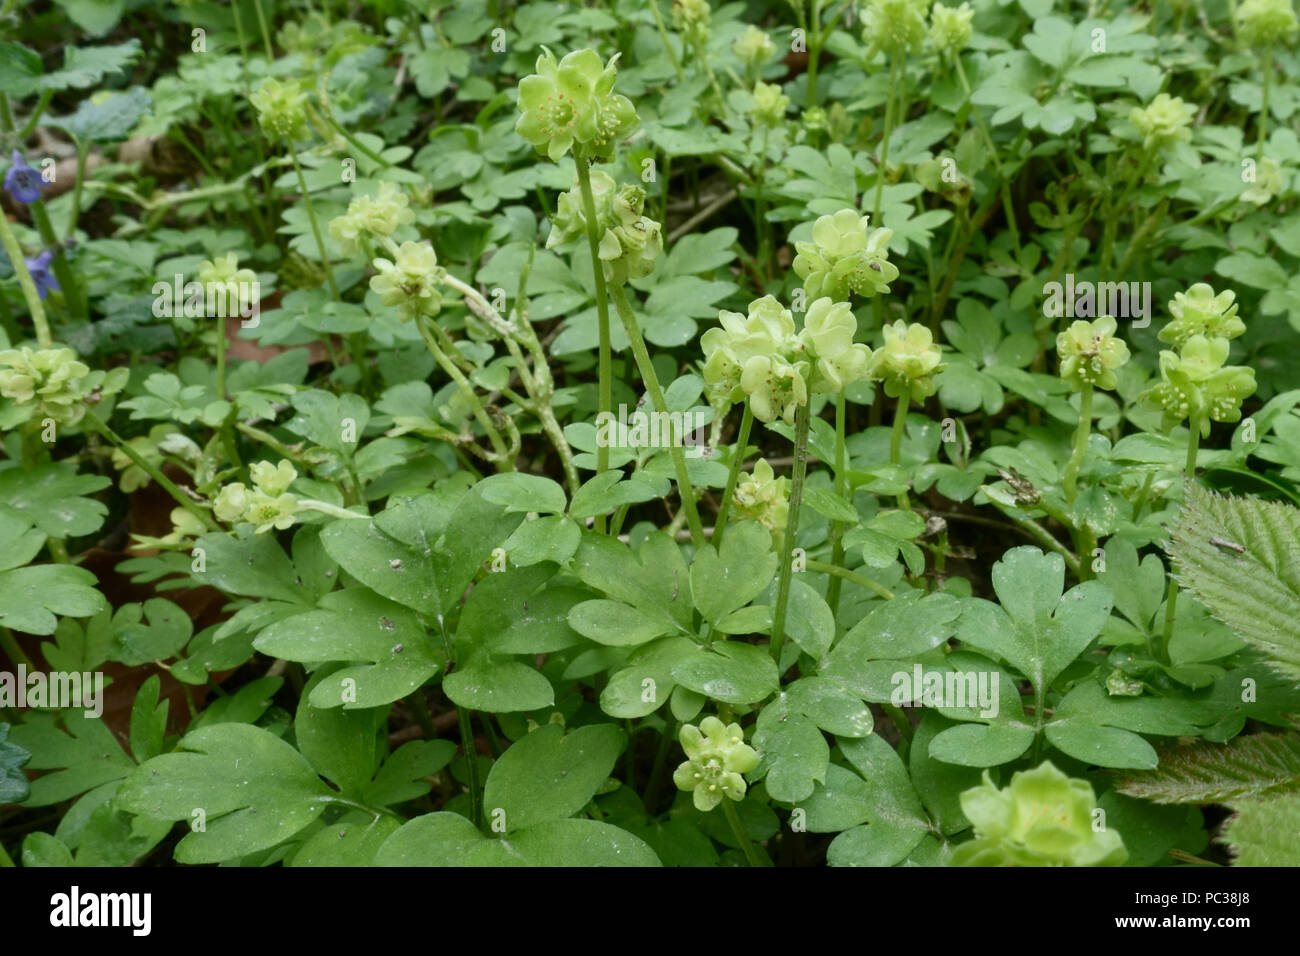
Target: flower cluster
{"points": [[1269, 182], [950, 29], [573, 102], [52, 383], [716, 756], [1043, 818], [845, 257], [1090, 353], [410, 282], [769, 105], [691, 19], [1195, 384], [22, 181], [1263, 23], [908, 361], [371, 217], [1163, 122], [754, 47], [1198, 311], [630, 243], [266, 505], [763, 497], [893, 26], [281, 109]]}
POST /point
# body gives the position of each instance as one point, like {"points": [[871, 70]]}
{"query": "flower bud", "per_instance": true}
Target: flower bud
{"points": [[410, 283], [950, 29], [281, 109], [1264, 23], [893, 26], [1198, 311], [828, 330], [1165, 121], [908, 361], [769, 105], [763, 497], [754, 47]]}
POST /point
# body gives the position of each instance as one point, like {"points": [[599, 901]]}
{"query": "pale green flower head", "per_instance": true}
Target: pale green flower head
{"points": [[1163, 122], [691, 18], [776, 387], [281, 109], [1269, 182], [633, 242], [267, 511], [770, 105], [763, 497], [716, 756], [768, 330], [411, 282], [827, 336], [1042, 818], [372, 217], [572, 105], [1195, 384], [845, 257], [231, 503], [754, 47], [893, 26], [1198, 311], [950, 29], [225, 269], [908, 361], [52, 383], [1264, 23], [814, 119], [1090, 353], [570, 219], [273, 480]]}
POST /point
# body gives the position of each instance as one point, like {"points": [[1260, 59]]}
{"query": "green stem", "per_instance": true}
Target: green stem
{"points": [[884, 143], [152, 470], [738, 830], [62, 270], [266, 36], [802, 419], [737, 462], [9, 644], [455, 374], [841, 489], [315, 226], [814, 52], [25, 283], [1080, 443], [1263, 107], [651, 379], [663, 34], [221, 357], [1171, 595], [857, 578], [466, 736], [896, 442], [605, 366]]}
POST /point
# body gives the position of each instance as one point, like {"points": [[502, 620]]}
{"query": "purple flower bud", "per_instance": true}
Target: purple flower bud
{"points": [[21, 181], [39, 267]]}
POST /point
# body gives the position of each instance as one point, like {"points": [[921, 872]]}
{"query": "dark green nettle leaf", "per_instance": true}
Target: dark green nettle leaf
{"points": [[250, 788], [389, 652], [550, 775], [448, 839], [1217, 773]]}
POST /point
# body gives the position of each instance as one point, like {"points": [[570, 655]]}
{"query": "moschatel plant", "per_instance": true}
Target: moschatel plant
{"points": [[310, 341]]}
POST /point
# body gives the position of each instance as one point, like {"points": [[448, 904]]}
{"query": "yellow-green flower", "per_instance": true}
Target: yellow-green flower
{"points": [[273, 480], [570, 219], [776, 388], [371, 217], [766, 333], [770, 105], [845, 257], [633, 242], [1043, 818], [267, 505], [763, 497], [281, 109], [1195, 384], [1263, 23], [1198, 311], [1268, 183], [52, 383], [410, 283], [691, 19], [1163, 122], [828, 330], [950, 29], [1090, 353], [908, 361], [572, 104], [716, 756], [893, 26], [754, 47]]}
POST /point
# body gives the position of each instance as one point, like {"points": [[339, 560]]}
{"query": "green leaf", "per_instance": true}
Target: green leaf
{"points": [[794, 753], [723, 582], [96, 17], [729, 671], [148, 720], [1254, 590], [1038, 630], [105, 117], [896, 821], [248, 564], [13, 782], [254, 790], [549, 775], [31, 596], [841, 803], [136, 643], [86, 66], [42, 849], [498, 687], [447, 839], [342, 745], [402, 777], [1256, 832], [647, 681], [50, 497], [325, 419], [517, 491], [19, 541], [654, 580], [88, 751], [1203, 772], [354, 625], [617, 625], [606, 492], [354, 840], [910, 624], [1094, 727]]}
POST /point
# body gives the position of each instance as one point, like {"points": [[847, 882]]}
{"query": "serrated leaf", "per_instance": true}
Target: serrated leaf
{"points": [[1218, 773], [1262, 833]]}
